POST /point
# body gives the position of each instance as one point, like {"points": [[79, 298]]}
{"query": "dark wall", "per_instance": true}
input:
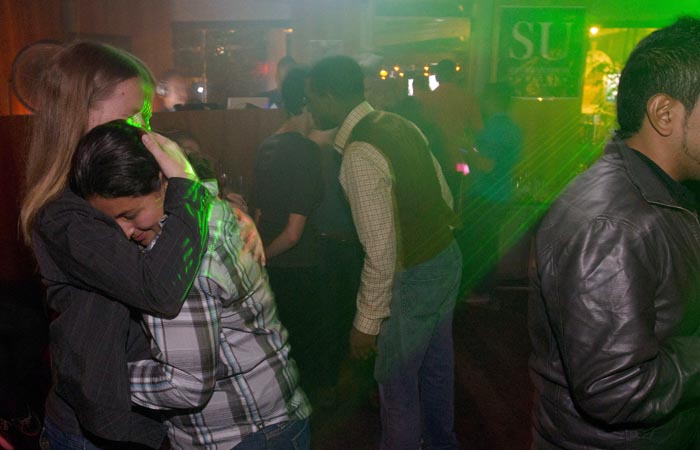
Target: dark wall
{"points": [[15, 258], [143, 28]]}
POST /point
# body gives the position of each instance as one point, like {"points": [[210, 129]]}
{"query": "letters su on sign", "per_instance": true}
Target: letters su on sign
{"points": [[524, 33]]}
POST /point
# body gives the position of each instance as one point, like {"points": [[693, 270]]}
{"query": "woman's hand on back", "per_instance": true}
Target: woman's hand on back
{"points": [[251, 237], [171, 159]]}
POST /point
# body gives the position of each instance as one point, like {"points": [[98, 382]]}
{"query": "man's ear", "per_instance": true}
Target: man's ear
{"points": [[664, 112]]}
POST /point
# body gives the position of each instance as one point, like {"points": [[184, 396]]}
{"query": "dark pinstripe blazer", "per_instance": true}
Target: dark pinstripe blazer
{"points": [[95, 278]]}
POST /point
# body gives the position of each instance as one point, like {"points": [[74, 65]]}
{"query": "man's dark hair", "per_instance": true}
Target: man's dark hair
{"points": [[445, 71], [111, 161], [293, 96], [286, 62], [667, 61], [339, 76]]}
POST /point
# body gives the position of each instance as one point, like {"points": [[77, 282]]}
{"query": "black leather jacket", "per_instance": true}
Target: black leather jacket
{"points": [[614, 313]]}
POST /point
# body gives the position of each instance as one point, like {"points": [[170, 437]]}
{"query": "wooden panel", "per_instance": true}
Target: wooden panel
{"points": [[23, 23], [147, 24], [230, 137]]}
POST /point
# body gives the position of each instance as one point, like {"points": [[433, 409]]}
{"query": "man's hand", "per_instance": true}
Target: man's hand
{"points": [[249, 234], [362, 346]]}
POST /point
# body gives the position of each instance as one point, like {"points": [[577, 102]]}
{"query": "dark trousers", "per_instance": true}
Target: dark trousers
{"points": [[340, 269], [24, 377], [297, 299]]}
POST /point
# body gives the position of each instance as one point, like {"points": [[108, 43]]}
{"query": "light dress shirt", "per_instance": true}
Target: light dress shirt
{"points": [[225, 358], [368, 184]]}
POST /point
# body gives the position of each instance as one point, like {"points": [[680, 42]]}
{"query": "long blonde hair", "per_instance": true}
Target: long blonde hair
{"points": [[78, 77]]}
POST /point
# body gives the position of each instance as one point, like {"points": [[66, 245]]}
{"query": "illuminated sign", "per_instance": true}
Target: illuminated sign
{"points": [[541, 50]]}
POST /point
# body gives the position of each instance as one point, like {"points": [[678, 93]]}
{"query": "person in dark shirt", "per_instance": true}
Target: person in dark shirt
{"points": [[489, 205], [288, 191], [288, 183]]}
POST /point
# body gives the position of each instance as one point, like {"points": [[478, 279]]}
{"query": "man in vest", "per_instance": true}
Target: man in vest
{"points": [[401, 207]]}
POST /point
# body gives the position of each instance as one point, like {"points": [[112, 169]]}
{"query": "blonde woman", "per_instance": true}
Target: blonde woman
{"points": [[97, 278]]}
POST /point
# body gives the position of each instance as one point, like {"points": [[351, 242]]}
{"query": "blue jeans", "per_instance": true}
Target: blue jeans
{"points": [[415, 362], [54, 439], [291, 435]]}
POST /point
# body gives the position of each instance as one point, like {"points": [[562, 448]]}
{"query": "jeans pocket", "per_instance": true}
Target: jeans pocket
{"points": [[425, 291], [289, 435], [44, 443], [302, 440]]}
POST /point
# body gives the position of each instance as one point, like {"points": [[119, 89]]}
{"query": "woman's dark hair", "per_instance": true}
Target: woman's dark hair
{"points": [[667, 61], [293, 96], [111, 161], [202, 166]]}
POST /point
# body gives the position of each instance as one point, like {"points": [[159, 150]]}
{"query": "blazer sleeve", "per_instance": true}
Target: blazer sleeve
{"points": [[77, 245]]}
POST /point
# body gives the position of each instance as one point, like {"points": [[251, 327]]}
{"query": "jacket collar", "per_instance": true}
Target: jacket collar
{"points": [[650, 185]]}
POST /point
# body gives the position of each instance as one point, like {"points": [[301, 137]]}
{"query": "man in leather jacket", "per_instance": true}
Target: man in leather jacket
{"points": [[615, 298]]}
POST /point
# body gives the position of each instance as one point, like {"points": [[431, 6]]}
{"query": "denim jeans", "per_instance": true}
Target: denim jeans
{"points": [[290, 435], [415, 362], [54, 439]]}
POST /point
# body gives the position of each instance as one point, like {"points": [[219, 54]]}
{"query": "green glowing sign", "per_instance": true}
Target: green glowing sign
{"points": [[541, 51]]}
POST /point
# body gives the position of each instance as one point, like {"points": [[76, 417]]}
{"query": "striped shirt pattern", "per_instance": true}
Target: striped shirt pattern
{"points": [[224, 359]]}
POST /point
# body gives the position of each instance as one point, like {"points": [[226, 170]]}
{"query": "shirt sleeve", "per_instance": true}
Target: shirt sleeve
{"points": [[367, 183], [601, 305], [94, 253], [182, 370]]}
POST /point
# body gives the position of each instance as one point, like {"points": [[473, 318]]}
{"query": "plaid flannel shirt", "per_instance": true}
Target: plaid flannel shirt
{"points": [[223, 362]]}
